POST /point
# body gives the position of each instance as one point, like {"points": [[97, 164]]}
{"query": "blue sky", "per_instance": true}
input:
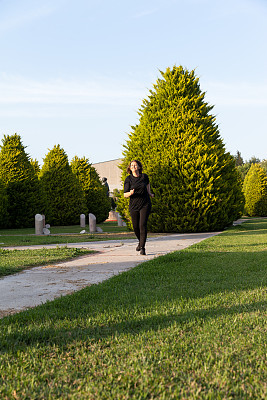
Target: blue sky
{"points": [[75, 73]]}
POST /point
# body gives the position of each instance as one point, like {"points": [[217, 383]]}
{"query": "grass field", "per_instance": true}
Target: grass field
{"points": [[13, 261], [188, 325], [62, 234]]}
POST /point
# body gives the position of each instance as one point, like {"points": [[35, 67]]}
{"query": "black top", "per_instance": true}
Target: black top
{"points": [[140, 198]]}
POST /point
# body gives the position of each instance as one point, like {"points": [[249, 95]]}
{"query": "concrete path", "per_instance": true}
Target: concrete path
{"points": [[37, 285]]}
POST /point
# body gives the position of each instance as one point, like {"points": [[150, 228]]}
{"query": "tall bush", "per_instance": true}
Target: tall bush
{"points": [[20, 181], [97, 201], [195, 181], [64, 194], [255, 191]]}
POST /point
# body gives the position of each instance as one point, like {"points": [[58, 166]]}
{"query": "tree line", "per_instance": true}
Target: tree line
{"points": [[244, 166], [61, 190], [254, 176]]}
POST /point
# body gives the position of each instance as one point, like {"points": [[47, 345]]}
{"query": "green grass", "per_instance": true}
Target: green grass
{"points": [[188, 325], [13, 261], [108, 226], [62, 234]]}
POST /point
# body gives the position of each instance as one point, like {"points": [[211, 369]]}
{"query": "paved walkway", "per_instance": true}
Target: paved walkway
{"points": [[37, 285]]}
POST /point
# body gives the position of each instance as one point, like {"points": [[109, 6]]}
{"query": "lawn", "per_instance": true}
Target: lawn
{"points": [[62, 234], [188, 325], [13, 261]]}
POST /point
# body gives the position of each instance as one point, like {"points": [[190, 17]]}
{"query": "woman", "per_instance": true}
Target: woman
{"points": [[137, 187]]}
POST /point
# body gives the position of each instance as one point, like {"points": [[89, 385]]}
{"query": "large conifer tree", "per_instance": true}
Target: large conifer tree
{"points": [[196, 184], [20, 181], [63, 192], [96, 195], [255, 190]]}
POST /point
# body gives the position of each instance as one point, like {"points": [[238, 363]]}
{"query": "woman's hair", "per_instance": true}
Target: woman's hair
{"points": [[137, 162]]}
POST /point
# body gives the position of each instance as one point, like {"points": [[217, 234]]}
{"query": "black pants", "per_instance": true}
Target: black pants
{"points": [[139, 220]]}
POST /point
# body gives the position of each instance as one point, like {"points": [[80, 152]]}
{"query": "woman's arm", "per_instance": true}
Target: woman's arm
{"points": [[128, 194], [127, 191], [149, 190]]}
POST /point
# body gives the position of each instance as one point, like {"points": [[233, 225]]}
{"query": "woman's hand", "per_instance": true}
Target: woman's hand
{"points": [[128, 194], [149, 191]]}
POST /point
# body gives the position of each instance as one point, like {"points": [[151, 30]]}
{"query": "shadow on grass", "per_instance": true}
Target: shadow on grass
{"points": [[128, 299], [65, 335]]}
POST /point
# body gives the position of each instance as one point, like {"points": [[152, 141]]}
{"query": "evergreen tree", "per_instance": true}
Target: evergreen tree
{"points": [[254, 160], [243, 170], [196, 184], [95, 193], [263, 165], [238, 159], [255, 190], [36, 166], [64, 195], [20, 181], [3, 206]]}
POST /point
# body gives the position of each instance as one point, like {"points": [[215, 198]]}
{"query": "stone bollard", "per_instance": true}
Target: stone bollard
{"points": [[120, 220], [113, 215], [82, 221], [92, 223], [39, 225]]}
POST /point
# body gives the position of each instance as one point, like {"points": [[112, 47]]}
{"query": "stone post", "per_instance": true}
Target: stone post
{"points": [[113, 215], [92, 223], [120, 220], [82, 221], [39, 225]]}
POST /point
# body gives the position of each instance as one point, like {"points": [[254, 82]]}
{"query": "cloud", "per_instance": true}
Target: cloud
{"points": [[24, 95], [235, 93]]}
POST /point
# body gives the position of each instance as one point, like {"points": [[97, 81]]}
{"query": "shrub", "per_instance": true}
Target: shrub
{"points": [[195, 181], [64, 194], [20, 181], [255, 191], [97, 201]]}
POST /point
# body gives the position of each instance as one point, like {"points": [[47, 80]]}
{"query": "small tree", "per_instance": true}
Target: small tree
{"points": [[244, 168], [255, 191], [254, 160], [238, 159], [64, 194], [264, 165], [97, 201], [195, 181], [20, 181]]}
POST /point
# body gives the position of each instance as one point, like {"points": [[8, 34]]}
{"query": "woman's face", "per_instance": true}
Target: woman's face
{"points": [[134, 167]]}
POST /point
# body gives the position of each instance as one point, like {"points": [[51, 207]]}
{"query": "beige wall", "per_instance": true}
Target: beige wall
{"points": [[111, 171]]}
